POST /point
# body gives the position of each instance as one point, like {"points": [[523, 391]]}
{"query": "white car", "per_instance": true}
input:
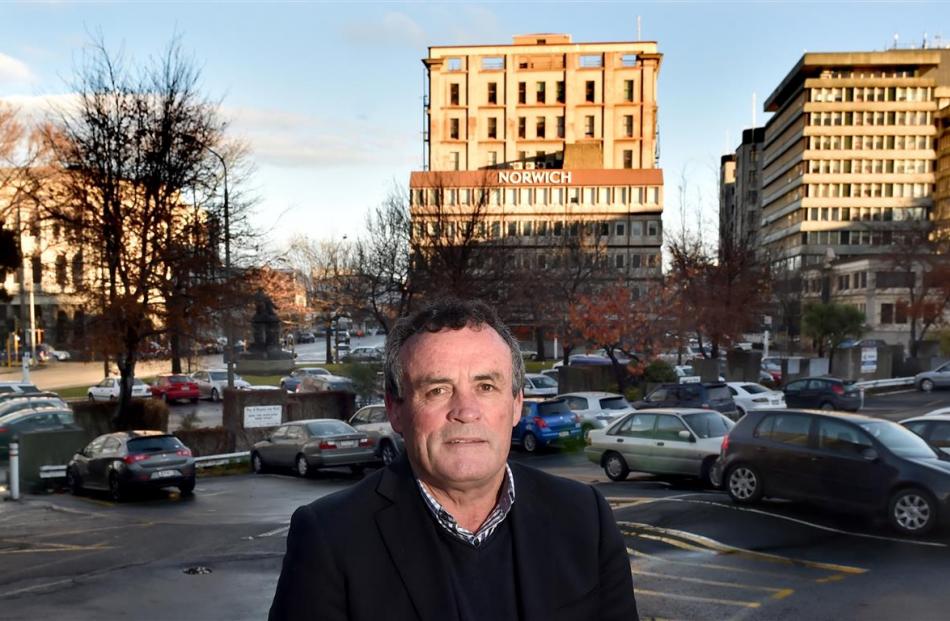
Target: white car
{"points": [[211, 383], [372, 421], [934, 428], [538, 385], [109, 388], [750, 396], [597, 410], [671, 441]]}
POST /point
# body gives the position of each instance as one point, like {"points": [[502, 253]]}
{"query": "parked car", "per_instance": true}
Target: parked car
{"points": [[211, 383], [31, 401], [326, 383], [824, 393], [597, 410], [290, 382], [175, 387], [934, 429], [937, 378], [685, 371], [583, 360], [18, 387], [707, 396], [538, 385], [37, 419], [306, 337], [109, 388], [51, 353], [545, 423], [372, 421], [852, 461], [554, 374], [126, 461], [749, 396], [342, 351], [308, 445], [774, 368], [364, 354], [671, 441]]}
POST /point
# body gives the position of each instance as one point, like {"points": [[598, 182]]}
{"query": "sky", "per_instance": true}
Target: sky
{"points": [[328, 95]]}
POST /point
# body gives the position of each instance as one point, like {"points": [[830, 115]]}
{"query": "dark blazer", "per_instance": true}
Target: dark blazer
{"points": [[370, 552]]}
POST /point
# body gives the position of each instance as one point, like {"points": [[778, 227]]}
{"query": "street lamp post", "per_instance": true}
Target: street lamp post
{"points": [[228, 328]]}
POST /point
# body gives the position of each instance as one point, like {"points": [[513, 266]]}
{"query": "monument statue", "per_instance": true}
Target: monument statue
{"points": [[264, 355]]}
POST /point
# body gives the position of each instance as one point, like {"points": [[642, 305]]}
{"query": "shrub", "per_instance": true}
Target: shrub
{"points": [[658, 372]]}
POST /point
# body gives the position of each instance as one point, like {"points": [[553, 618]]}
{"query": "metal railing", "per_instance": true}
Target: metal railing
{"points": [[205, 461], [886, 383]]}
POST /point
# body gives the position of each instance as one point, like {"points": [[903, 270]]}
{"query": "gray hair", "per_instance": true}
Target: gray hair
{"points": [[452, 314]]}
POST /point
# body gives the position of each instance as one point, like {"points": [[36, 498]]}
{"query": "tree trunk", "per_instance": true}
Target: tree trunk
{"points": [[329, 341], [539, 342], [174, 343]]}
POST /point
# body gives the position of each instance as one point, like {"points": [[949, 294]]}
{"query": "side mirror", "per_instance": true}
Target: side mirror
{"points": [[869, 454], [685, 435]]}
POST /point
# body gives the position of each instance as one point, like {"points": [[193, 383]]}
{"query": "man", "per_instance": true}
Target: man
{"points": [[450, 531]]}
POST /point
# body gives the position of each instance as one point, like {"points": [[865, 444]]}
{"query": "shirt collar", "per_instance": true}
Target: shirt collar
{"points": [[506, 499]]}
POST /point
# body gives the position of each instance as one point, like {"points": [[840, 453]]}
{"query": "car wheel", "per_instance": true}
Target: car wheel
{"points": [[705, 472], [615, 467], [926, 385], [73, 483], [214, 395], [388, 453], [827, 405], [112, 397], [116, 492], [744, 484], [194, 399], [357, 469], [303, 466], [187, 488], [529, 442], [257, 463], [912, 511], [92, 397]]}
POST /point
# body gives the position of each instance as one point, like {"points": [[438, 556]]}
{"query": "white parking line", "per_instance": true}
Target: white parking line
{"points": [[276, 531], [34, 588]]}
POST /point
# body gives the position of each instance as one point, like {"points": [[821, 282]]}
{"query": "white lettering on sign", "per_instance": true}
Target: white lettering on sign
{"points": [[534, 176], [262, 416]]}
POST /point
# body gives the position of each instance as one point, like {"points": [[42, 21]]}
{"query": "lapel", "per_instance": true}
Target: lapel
{"points": [[531, 532], [407, 532]]}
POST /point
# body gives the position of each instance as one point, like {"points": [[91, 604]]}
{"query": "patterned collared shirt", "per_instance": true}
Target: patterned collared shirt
{"points": [[505, 501]]}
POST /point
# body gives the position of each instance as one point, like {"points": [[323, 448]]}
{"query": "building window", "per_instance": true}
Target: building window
{"points": [[490, 63], [540, 127], [522, 92], [77, 269], [493, 158], [900, 313], [628, 90], [887, 313], [522, 127], [560, 91], [456, 160], [589, 91], [37, 265], [653, 228], [542, 93], [627, 158], [453, 64], [493, 93], [61, 271], [560, 127], [454, 129], [512, 229], [492, 127], [620, 229], [558, 228], [619, 261], [628, 125], [453, 94], [542, 228], [589, 126], [526, 228]]}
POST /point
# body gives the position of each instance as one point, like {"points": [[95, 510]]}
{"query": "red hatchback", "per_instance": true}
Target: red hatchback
{"points": [[175, 387]]}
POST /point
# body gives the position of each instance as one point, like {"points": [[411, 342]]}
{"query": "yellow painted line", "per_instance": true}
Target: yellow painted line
{"points": [[94, 530], [831, 578], [783, 593], [667, 534], [731, 585], [667, 540], [704, 565], [694, 598], [96, 547]]}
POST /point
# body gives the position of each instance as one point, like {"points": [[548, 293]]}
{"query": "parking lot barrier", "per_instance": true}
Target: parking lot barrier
{"points": [[52, 472], [886, 383], [14, 470], [208, 461]]}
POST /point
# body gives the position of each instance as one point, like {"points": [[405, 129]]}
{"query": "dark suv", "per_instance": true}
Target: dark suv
{"points": [[848, 460], [710, 396], [824, 393]]}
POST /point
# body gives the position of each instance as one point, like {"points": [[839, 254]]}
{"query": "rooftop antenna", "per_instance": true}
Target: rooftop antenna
{"points": [[924, 44], [896, 38], [639, 28]]}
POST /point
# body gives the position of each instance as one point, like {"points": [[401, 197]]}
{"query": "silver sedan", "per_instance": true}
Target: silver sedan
{"points": [[307, 445]]}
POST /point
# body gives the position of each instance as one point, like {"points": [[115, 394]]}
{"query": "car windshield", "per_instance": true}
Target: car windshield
{"points": [[898, 440], [138, 382], [218, 376], [313, 371], [614, 403], [708, 424], [754, 389], [340, 385], [543, 381], [329, 428], [719, 392], [154, 444]]}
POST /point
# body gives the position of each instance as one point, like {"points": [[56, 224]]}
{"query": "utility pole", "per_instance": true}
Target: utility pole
{"points": [[228, 327], [23, 311]]}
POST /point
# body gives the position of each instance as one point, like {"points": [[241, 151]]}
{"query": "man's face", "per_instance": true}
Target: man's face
{"points": [[457, 409]]}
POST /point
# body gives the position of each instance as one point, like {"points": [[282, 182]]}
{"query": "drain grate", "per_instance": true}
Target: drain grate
{"points": [[198, 571]]}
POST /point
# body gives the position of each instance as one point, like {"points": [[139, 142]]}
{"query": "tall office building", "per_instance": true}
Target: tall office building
{"points": [[849, 153], [727, 198], [546, 139], [739, 219]]}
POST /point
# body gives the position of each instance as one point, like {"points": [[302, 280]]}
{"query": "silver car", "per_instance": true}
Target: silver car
{"points": [[307, 445], [937, 378], [538, 385], [372, 421], [211, 383], [675, 441], [597, 410]]}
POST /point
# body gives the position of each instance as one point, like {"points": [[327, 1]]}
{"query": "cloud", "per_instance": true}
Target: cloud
{"points": [[288, 139], [14, 70], [390, 30], [38, 107]]}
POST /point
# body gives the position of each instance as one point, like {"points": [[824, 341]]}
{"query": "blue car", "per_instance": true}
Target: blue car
{"points": [[544, 423]]}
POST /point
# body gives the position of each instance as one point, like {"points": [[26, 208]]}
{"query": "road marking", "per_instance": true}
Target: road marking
{"points": [[668, 535], [34, 588], [694, 598], [728, 568], [59, 548], [731, 585], [830, 529], [276, 531], [93, 530]]}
